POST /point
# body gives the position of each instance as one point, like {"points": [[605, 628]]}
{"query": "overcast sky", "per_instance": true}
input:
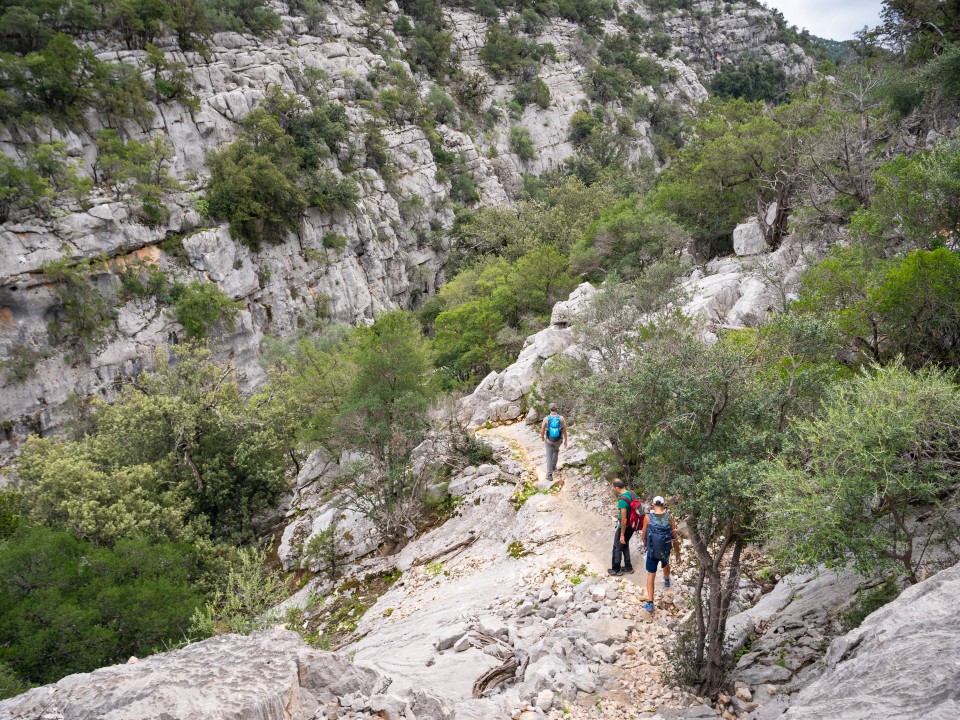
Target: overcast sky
{"points": [[833, 19]]}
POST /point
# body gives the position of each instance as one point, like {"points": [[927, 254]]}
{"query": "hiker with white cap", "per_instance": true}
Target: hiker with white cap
{"points": [[553, 429], [659, 531]]}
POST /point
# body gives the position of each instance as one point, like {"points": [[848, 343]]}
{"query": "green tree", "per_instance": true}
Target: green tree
{"points": [[626, 239], [844, 487], [65, 485], [227, 455], [916, 199], [200, 305], [696, 421], [254, 182], [70, 606]]}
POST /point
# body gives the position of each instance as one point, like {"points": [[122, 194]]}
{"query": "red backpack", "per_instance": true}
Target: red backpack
{"points": [[635, 518]]}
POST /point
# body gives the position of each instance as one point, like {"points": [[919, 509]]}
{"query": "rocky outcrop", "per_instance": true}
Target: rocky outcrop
{"points": [[266, 676], [504, 395], [742, 30], [902, 662]]}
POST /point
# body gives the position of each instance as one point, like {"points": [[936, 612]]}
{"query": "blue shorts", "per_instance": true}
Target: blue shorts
{"points": [[652, 564]]}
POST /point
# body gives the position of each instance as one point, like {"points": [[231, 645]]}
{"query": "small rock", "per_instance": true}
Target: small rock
{"points": [[545, 700], [462, 644], [744, 694]]}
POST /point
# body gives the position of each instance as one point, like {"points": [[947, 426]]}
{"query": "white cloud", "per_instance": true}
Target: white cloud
{"points": [[834, 19]]}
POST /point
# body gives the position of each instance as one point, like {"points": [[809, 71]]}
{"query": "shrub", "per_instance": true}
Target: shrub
{"points": [[71, 606], [534, 92], [254, 183], [200, 305], [243, 603], [82, 314], [327, 192], [608, 84], [520, 143], [751, 80], [509, 55], [334, 241], [868, 601], [137, 171]]}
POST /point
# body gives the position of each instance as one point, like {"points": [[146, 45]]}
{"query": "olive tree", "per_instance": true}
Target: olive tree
{"points": [[843, 489]]}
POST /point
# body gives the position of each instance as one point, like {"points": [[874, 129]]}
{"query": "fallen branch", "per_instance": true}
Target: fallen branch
{"points": [[462, 544]]}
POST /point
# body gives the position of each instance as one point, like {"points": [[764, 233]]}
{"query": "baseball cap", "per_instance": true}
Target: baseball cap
{"points": [[658, 500], [553, 406]]}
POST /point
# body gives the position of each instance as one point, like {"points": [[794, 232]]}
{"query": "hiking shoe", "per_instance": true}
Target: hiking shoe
{"points": [[666, 583], [648, 607], [628, 571], [614, 573]]}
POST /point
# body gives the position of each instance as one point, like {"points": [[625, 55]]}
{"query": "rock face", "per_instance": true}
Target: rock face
{"points": [[503, 396], [267, 676], [902, 662]]}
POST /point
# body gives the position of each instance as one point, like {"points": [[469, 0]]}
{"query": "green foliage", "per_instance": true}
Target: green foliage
{"points": [[254, 16], [429, 43], [696, 421], [136, 170], [917, 199], [942, 73], [253, 183], [200, 305], [508, 55], [243, 603], [626, 239], [67, 486], [868, 601], [46, 174], [882, 443], [908, 306], [264, 181], [521, 144], [71, 606], [10, 505], [82, 313], [751, 80], [10, 683], [534, 92], [61, 80], [744, 156], [228, 456]]}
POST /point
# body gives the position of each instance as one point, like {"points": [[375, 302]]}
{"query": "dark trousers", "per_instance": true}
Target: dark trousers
{"points": [[622, 549]]}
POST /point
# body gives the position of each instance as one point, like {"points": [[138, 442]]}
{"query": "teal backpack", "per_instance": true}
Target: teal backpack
{"points": [[554, 430]]}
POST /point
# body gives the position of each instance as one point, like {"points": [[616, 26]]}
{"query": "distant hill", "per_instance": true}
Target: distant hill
{"points": [[837, 50]]}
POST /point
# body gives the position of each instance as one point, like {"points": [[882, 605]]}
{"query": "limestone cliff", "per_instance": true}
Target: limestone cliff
{"points": [[396, 241]]}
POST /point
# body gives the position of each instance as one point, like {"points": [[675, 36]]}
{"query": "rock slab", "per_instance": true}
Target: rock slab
{"points": [[902, 662]]}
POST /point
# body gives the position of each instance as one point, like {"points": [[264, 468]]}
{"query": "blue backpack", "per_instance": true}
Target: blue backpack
{"points": [[553, 427], [659, 536]]}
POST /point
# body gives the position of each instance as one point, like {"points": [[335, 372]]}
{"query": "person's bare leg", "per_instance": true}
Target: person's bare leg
{"points": [[650, 578], [666, 572]]}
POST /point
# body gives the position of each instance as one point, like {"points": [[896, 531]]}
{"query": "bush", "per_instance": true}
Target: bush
{"points": [[137, 171], [82, 314], [530, 93], [869, 601], [242, 605], [70, 606], [521, 144], [917, 199], [200, 305], [750, 81], [508, 55], [254, 183]]}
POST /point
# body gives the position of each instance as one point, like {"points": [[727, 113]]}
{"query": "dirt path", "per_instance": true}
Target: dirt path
{"points": [[588, 534]]}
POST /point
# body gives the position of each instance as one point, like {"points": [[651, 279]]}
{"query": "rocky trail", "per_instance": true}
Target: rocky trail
{"points": [[524, 622]]}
